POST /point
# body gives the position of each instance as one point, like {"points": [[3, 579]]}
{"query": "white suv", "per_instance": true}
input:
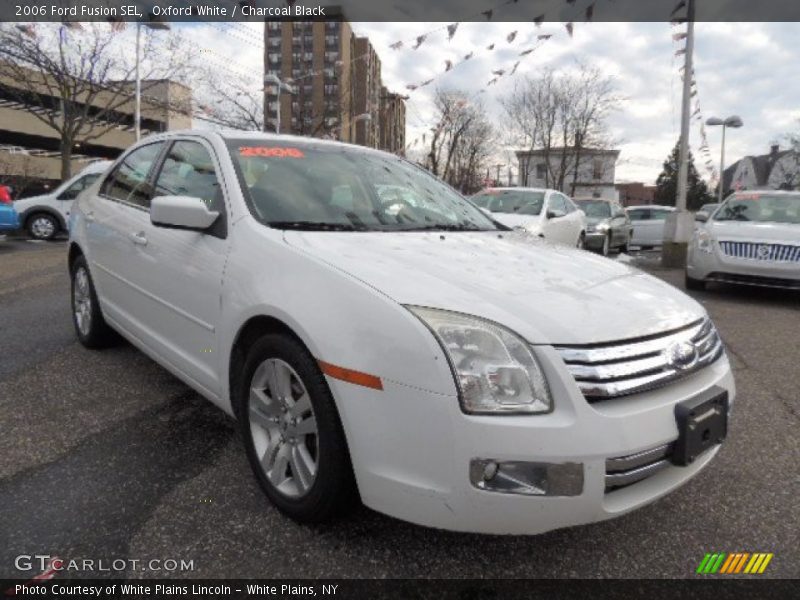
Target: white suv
{"points": [[46, 215], [404, 350]]}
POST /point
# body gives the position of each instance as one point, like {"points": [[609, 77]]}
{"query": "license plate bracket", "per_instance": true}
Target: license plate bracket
{"points": [[702, 423]]}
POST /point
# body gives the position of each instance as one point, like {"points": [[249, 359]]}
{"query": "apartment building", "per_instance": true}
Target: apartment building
{"points": [[393, 122], [315, 56], [367, 89], [335, 81]]}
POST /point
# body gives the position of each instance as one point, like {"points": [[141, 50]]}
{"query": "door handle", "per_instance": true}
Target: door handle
{"points": [[138, 238]]}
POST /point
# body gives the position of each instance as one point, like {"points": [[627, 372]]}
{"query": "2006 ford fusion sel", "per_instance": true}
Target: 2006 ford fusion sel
{"points": [[378, 336]]}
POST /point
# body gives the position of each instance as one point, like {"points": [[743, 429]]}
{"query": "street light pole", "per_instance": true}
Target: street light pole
{"points": [[732, 121], [275, 80], [680, 224], [137, 118]]}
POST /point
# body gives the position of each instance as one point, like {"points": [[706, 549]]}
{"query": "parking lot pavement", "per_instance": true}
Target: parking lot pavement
{"points": [[106, 455]]}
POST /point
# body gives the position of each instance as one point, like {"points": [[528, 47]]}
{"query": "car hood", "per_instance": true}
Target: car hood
{"points": [[596, 220], [512, 220], [24, 203], [755, 232], [546, 293]]}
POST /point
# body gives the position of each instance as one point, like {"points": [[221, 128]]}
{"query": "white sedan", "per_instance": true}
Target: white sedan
{"points": [[753, 238], [648, 224], [395, 347], [548, 214]]}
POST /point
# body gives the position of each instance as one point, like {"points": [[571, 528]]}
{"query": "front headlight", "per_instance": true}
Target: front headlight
{"points": [[495, 370], [704, 241], [602, 226]]}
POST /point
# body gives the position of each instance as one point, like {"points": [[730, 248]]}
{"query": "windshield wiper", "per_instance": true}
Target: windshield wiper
{"points": [[312, 226], [459, 227]]}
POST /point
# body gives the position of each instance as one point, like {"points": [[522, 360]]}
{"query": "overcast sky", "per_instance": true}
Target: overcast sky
{"points": [[749, 69]]}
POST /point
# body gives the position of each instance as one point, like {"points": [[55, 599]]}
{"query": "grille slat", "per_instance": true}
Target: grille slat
{"points": [[608, 371], [762, 252]]}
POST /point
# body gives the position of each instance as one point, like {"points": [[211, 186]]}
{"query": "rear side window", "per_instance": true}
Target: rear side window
{"points": [[660, 215], [76, 188], [128, 181], [639, 215]]}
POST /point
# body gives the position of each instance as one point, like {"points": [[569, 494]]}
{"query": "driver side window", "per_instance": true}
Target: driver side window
{"points": [[557, 204]]}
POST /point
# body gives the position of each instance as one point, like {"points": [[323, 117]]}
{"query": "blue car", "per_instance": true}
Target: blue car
{"points": [[9, 220]]}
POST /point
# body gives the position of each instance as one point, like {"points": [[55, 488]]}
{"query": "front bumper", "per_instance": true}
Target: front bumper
{"points": [[716, 266], [414, 462], [595, 239]]}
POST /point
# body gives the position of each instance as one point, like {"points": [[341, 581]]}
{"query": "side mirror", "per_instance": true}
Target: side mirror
{"points": [[555, 214], [182, 212], [701, 217]]}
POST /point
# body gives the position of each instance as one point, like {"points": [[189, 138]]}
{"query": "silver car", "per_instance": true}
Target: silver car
{"points": [[752, 239]]}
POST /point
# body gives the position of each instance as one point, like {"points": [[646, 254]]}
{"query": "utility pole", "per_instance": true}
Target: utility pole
{"points": [[680, 224]]}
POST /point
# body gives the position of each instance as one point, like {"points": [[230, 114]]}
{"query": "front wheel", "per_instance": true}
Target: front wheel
{"points": [[606, 248], [42, 226], [292, 433]]}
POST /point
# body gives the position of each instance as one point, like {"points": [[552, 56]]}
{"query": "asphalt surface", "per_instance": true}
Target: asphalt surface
{"points": [[105, 455]]}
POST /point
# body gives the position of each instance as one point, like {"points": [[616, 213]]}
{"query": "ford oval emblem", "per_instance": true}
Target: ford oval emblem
{"points": [[682, 355]]}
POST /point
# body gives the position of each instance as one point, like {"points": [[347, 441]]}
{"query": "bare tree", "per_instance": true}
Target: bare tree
{"points": [[79, 82], [229, 101], [560, 116], [461, 142]]}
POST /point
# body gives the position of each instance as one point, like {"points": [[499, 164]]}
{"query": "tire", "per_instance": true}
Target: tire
{"points": [[606, 247], [87, 318], [694, 284], [581, 241], [624, 248], [42, 226], [300, 433]]}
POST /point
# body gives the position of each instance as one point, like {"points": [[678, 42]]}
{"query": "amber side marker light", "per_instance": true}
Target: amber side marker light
{"points": [[350, 376]]}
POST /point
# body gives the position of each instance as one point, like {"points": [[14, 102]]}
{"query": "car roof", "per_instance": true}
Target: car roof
{"points": [[97, 166], [236, 134]]}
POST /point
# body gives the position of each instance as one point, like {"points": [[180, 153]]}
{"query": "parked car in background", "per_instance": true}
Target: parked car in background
{"points": [[46, 215], [607, 225], [648, 224], [547, 213], [444, 370], [9, 219], [753, 238]]}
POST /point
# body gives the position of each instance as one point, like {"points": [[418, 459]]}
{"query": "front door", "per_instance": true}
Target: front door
{"points": [[180, 271]]}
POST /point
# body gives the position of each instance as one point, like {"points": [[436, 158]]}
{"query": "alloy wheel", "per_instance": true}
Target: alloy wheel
{"points": [[82, 301], [42, 228], [284, 428]]}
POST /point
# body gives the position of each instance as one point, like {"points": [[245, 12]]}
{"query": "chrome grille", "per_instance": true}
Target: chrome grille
{"points": [[765, 252], [608, 371]]}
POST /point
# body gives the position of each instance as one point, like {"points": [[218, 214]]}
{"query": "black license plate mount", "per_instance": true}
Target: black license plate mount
{"points": [[702, 423]]}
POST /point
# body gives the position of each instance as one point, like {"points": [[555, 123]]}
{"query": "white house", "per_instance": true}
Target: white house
{"points": [[780, 169], [595, 174]]}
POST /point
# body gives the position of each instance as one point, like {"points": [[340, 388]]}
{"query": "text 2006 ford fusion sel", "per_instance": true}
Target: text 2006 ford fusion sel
{"points": [[377, 336]]}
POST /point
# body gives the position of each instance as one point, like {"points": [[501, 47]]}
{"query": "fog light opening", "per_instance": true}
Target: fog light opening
{"points": [[527, 478]]}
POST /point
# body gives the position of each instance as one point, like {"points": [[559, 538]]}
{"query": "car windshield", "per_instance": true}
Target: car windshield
{"points": [[594, 208], [291, 185], [761, 208], [510, 201]]}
